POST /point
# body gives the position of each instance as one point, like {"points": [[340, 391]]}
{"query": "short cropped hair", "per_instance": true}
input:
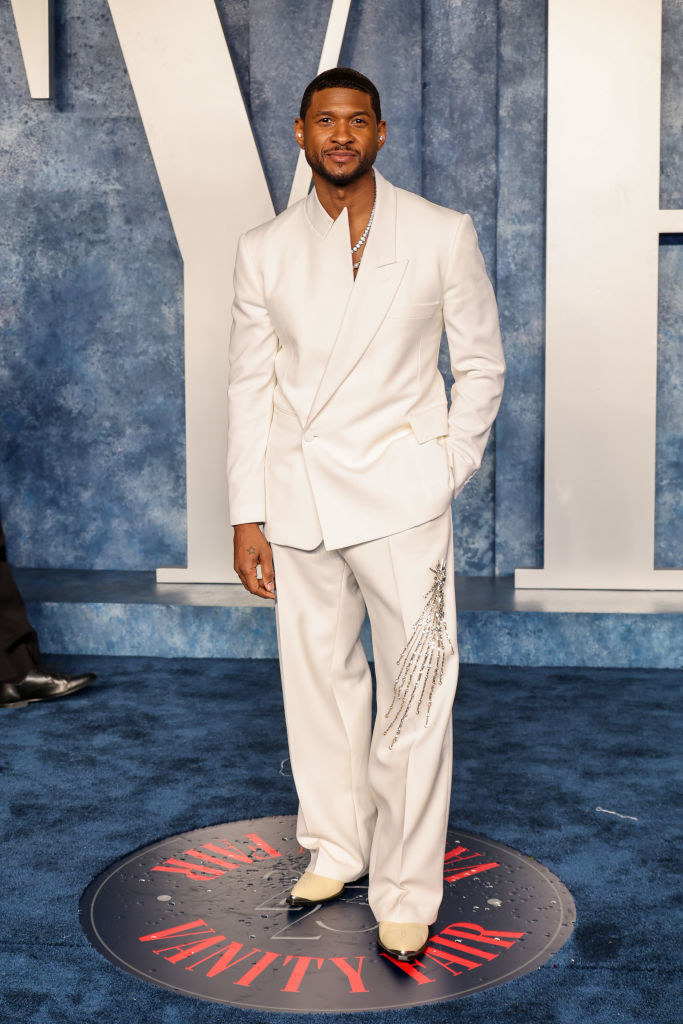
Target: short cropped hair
{"points": [[341, 78]]}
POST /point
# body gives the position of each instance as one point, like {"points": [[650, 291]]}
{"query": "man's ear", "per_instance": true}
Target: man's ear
{"points": [[299, 131], [381, 133]]}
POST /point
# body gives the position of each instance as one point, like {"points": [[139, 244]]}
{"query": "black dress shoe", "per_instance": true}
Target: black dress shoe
{"points": [[41, 684]]}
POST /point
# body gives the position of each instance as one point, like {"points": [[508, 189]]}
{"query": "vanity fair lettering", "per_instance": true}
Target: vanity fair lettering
{"points": [[216, 858], [222, 853], [462, 945], [198, 947]]}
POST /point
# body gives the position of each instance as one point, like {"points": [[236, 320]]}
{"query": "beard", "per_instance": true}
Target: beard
{"points": [[341, 176]]}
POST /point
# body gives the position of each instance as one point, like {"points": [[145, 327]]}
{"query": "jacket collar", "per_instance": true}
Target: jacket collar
{"points": [[318, 217], [381, 244]]}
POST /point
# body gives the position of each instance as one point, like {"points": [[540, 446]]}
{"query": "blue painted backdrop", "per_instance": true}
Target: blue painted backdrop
{"points": [[91, 369]]}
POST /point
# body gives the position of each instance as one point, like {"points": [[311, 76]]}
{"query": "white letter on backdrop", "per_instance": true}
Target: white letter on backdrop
{"points": [[603, 225], [213, 182]]}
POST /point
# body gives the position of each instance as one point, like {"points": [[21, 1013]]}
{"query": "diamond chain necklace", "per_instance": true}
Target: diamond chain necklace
{"points": [[362, 238]]}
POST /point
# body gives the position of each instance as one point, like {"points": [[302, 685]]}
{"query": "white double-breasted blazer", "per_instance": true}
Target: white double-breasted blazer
{"points": [[338, 423]]}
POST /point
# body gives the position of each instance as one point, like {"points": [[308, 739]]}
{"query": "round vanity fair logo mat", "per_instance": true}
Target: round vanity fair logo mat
{"points": [[203, 913]]}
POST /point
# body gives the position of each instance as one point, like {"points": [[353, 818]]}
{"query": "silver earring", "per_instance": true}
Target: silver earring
{"points": [[381, 138], [299, 134]]}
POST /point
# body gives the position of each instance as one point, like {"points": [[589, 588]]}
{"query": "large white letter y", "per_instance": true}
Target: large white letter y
{"points": [[213, 182]]}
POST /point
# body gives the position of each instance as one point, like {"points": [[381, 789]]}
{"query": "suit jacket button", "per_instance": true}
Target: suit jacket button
{"points": [[309, 435]]}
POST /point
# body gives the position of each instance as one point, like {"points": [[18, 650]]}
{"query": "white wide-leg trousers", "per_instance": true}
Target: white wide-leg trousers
{"points": [[364, 807]]}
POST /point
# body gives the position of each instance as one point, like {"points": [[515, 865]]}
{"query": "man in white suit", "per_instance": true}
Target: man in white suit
{"points": [[341, 446]]}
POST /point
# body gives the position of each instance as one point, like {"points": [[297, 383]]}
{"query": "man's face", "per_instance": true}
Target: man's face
{"points": [[340, 135]]}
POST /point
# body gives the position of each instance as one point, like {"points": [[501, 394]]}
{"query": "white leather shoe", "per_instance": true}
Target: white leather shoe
{"points": [[311, 889], [402, 941]]}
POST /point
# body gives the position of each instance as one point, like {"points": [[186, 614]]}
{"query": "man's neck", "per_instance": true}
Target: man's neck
{"points": [[358, 197]]}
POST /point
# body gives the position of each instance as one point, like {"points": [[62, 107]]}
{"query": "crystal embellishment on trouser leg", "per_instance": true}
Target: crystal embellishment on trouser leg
{"points": [[422, 657]]}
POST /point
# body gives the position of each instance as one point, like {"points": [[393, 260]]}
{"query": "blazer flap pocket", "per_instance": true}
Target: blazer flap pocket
{"points": [[429, 422], [414, 310]]}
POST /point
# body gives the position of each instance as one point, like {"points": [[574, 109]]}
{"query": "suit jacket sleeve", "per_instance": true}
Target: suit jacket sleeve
{"points": [[251, 382], [476, 353]]}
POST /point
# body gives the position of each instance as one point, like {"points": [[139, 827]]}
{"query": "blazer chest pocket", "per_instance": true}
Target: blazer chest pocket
{"points": [[413, 310], [430, 422]]}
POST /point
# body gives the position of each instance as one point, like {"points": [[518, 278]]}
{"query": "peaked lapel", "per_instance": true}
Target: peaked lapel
{"points": [[371, 293]]}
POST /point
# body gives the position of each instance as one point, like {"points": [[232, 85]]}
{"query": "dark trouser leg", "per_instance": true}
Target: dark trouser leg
{"points": [[19, 651]]}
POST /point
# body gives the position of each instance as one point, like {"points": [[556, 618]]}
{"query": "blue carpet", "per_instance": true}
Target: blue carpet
{"points": [[156, 747]]}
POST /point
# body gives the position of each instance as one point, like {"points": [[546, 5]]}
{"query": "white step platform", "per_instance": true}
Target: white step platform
{"points": [[129, 613]]}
